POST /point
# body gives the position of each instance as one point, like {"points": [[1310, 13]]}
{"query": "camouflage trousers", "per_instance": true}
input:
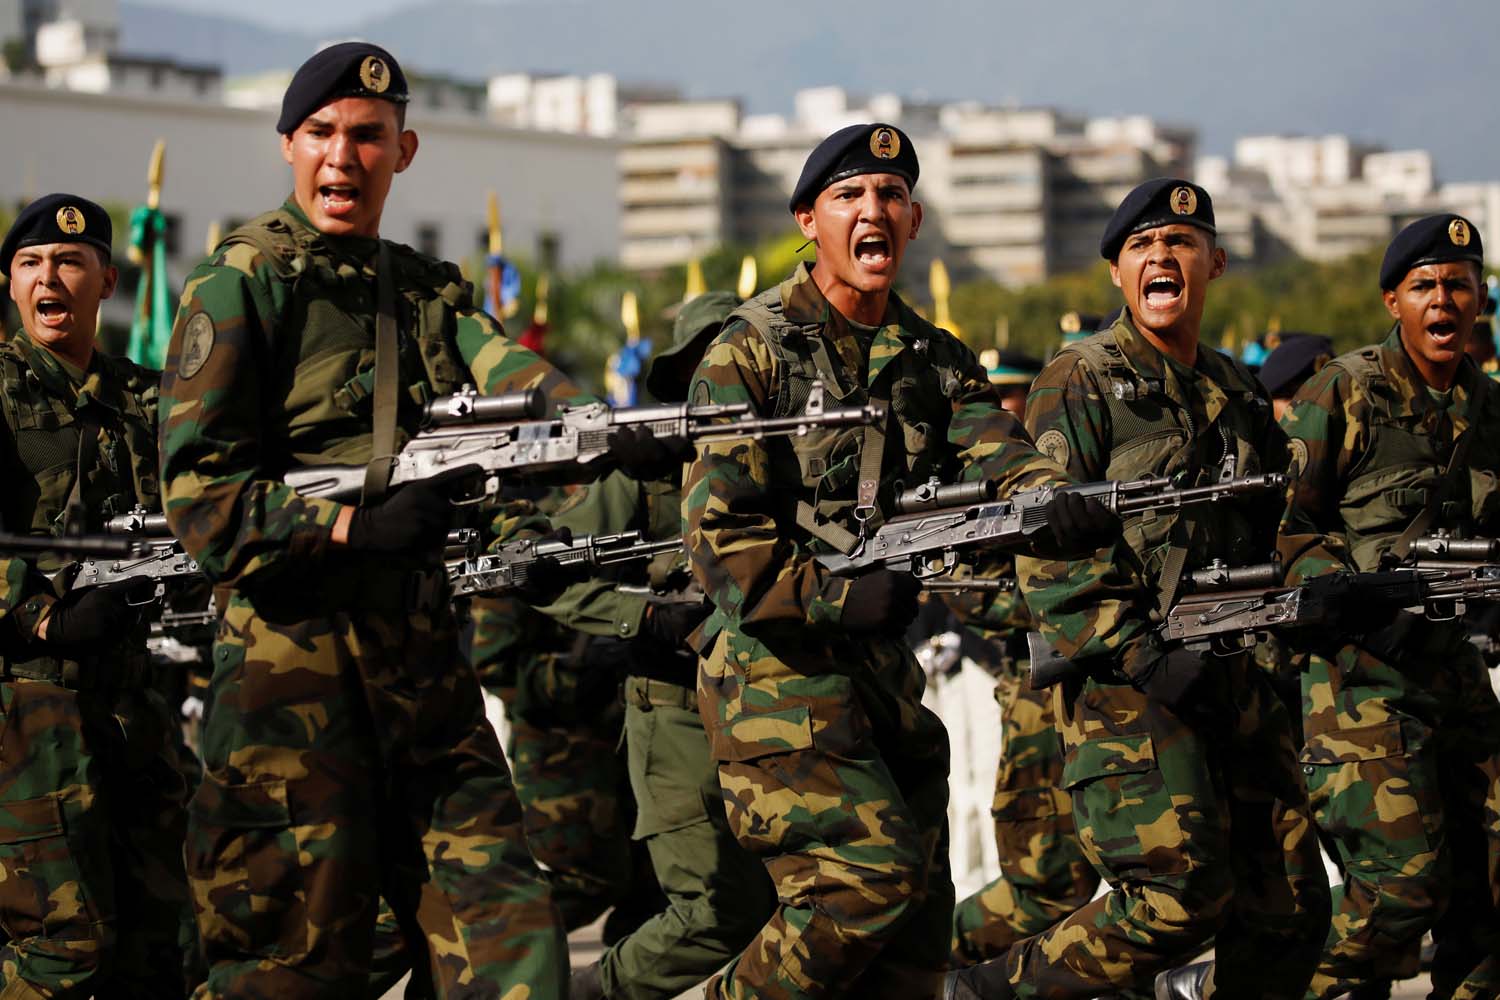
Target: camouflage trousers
{"points": [[1201, 826], [718, 895], [1044, 875], [349, 758], [1403, 769], [93, 796], [836, 776]]}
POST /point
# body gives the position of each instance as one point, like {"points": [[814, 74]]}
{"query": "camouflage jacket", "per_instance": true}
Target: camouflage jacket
{"points": [[1114, 407], [46, 407], [268, 369], [1370, 446], [741, 498]]}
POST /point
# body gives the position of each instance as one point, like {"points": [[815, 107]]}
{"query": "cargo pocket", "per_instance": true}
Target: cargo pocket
{"points": [[42, 892], [1026, 821], [242, 859], [1367, 791], [667, 773], [1122, 807], [754, 735]]}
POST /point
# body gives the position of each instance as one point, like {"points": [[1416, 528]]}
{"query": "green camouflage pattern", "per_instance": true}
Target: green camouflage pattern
{"points": [[832, 771], [94, 779], [1198, 822], [346, 751], [1401, 759]]}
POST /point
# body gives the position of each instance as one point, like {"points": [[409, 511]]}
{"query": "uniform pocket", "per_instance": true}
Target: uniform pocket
{"points": [[1369, 791], [669, 767], [1123, 809], [242, 860], [750, 736], [43, 892]]}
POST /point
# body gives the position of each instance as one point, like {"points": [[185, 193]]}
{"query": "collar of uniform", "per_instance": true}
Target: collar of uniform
{"points": [[1411, 397], [802, 301], [358, 248], [1218, 376], [60, 379]]}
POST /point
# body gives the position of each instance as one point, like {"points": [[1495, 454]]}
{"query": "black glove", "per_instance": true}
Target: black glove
{"points": [[642, 455], [671, 624], [1400, 631], [1173, 680], [546, 578], [414, 518], [96, 616], [881, 600], [1080, 524]]}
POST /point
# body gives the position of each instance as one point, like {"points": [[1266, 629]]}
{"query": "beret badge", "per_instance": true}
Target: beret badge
{"points": [[885, 144], [1458, 233], [375, 75], [1184, 200], [70, 220]]}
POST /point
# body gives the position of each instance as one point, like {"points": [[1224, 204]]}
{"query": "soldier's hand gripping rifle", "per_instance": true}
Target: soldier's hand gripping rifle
{"points": [[935, 523], [509, 567], [156, 556], [506, 434]]}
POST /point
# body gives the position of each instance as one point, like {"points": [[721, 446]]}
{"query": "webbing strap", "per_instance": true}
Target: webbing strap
{"points": [[387, 377]]}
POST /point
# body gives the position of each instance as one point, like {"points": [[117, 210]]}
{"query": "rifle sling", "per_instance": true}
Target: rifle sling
{"points": [[387, 378]]}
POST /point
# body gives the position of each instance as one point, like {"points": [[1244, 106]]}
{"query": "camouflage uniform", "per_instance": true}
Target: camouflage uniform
{"points": [[717, 894], [832, 770], [1044, 875], [565, 731], [345, 743], [1198, 821], [1401, 757], [93, 797]]}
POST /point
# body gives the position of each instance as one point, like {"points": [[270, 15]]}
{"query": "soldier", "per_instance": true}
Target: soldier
{"points": [[1044, 875], [1183, 774], [1391, 442], [717, 893], [832, 771], [345, 743], [1296, 359], [93, 896]]}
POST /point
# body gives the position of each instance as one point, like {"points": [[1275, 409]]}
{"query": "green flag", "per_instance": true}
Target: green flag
{"points": [[151, 328]]}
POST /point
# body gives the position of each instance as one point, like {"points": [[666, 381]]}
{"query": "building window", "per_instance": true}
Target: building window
{"points": [[429, 239]]}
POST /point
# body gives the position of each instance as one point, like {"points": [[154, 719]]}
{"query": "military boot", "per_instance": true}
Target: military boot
{"points": [[987, 981], [1186, 983], [585, 984]]}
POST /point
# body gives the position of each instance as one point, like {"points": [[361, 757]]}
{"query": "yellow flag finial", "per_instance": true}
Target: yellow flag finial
{"points": [[497, 240], [154, 174], [696, 286], [630, 317], [749, 277], [937, 282], [1002, 332], [539, 314], [215, 234]]}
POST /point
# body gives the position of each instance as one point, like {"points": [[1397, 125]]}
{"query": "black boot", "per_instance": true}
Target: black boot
{"points": [[584, 983], [1186, 983], [987, 981]]}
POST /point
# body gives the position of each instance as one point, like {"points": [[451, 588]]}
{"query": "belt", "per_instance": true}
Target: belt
{"points": [[645, 694]]}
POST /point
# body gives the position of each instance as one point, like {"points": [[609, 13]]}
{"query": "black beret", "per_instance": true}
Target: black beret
{"points": [[875, 148], [57, 218], [349, 69], [1164, 201], [1436, 239], [1295, 360]]}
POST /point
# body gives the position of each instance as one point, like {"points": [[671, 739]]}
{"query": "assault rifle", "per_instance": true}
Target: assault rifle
{"points": [[936, 522], [156, 556], [509, 567], [1225, 609], [506, 434], [89, 546]]}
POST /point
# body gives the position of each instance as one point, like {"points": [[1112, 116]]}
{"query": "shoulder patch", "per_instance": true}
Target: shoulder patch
{"points": [[197, 344], [1297, 447], [1054, 444], [701, 395]]}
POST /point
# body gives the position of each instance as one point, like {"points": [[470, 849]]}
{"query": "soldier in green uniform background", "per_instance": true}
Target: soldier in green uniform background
{"points": [[717, 893], [1183, 774], [1044, 875], [93, 896], [345, 743], [832, 770], [1402, 751]]}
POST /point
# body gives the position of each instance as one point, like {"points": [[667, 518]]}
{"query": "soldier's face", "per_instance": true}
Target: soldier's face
{"points": [[1436, 306], [343, 157], [862, 225], [57, 289], [1164, 275]]}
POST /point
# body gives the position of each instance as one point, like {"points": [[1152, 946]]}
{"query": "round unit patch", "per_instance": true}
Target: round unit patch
{"points": [[197, 344], [1054, 445], [1298, 462], [374, 74], [70, 220], [1184, 200], [1458, 232], [885, 144]]}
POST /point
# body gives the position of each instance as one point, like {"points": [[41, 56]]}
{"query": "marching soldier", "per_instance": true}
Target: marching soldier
{"points": [[832, 771], [345, 743], [1402, 758], [93, 896], [1182, 773]]}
